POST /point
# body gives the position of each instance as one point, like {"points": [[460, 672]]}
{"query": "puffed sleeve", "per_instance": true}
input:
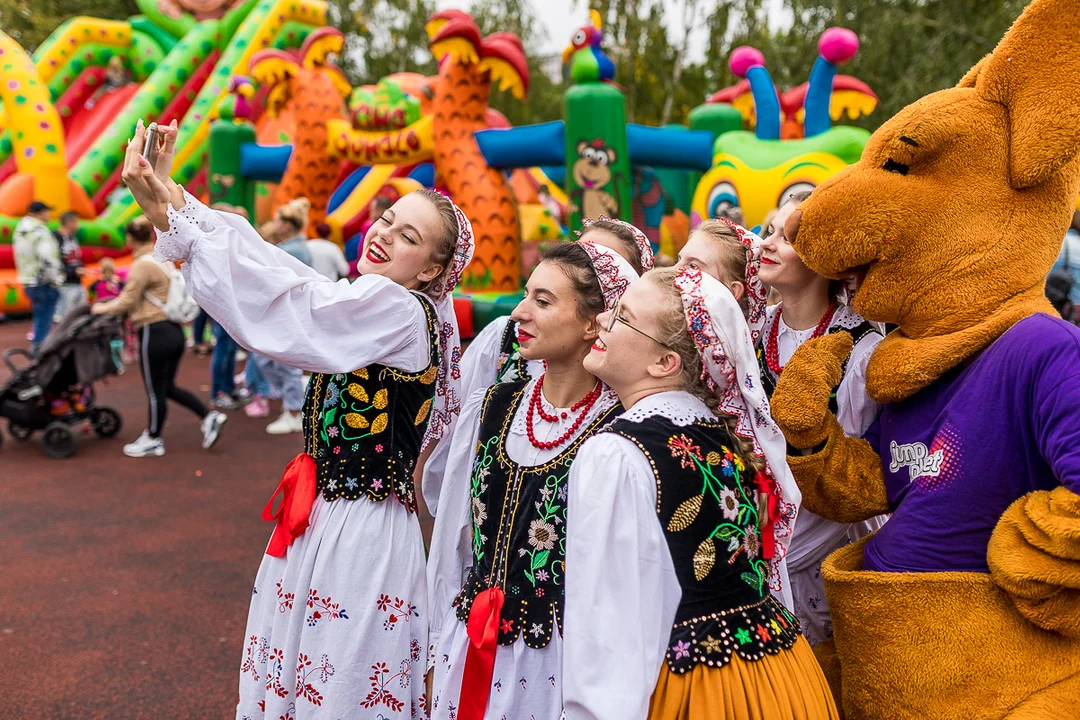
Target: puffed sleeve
{"points": [[855, 410], [478, 368], [274, 305], [451, 541], [621, 589]]}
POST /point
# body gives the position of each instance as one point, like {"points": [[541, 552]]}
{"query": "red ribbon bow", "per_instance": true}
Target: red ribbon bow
{"points": [[297, 490], [768, 514], [483, 630]]}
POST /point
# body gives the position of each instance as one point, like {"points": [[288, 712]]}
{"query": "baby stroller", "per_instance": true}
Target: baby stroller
{"points": [[55, 392]]}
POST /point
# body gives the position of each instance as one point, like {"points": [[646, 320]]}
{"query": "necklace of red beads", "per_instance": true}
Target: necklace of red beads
{"points": [[536, 407], [772, 354]]}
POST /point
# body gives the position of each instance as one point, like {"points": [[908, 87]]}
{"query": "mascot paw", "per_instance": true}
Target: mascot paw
{"points": [[1034, 556], [800, 404]]}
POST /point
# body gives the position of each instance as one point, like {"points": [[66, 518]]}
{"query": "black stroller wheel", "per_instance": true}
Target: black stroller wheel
{"points": [[19, 432], [58, 440], [106, 421]]}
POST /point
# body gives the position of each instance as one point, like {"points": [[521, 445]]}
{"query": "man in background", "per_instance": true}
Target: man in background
{"points": [[40, 271], [72, 292]]}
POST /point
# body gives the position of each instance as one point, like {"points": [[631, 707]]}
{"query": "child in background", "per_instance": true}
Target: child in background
{"points": [[109, 285]]}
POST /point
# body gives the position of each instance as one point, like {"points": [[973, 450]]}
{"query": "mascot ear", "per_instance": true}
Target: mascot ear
{"points": [[1035, 73], [581, 146]]}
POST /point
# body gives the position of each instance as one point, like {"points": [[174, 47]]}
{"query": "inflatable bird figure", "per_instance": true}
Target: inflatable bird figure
{"points": [[588, 63]]}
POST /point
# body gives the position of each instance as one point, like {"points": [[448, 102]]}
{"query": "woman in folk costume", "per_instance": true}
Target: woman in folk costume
{"points": [[497, 563], [681, 512], [811, 306], [494, 354], [338, 618]]}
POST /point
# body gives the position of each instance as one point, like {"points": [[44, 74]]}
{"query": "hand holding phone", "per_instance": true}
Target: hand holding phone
{"points": [[150, 148]]}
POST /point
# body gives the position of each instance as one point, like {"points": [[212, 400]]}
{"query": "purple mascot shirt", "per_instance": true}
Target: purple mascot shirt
{"points": [[958, 453]]}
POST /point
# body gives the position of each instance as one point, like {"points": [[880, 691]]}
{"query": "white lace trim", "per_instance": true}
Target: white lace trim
{"points": [[607, 400], [679, 407], [185, 227]]}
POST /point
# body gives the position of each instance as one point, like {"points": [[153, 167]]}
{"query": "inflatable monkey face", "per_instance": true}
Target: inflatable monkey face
{"points": [[592, 171], [959, 203]]}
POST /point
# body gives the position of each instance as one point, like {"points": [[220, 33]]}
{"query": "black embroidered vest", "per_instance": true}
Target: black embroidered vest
{"points": [[364, 428], [708, 507], [519, 524], [511, 365], [769, 379]]}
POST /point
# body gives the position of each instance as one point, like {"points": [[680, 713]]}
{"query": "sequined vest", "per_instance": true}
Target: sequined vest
{"points": [[769, 379], [708, 507], [364, 428], [511, 365], [519, 524]]}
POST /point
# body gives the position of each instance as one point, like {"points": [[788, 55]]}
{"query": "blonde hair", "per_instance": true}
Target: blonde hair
{"points": [[733, 255], [295, 212], [107, 265], [675, 335]]}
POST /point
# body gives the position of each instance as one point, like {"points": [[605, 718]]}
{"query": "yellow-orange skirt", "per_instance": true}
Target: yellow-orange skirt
{"points": [[787, 686]]}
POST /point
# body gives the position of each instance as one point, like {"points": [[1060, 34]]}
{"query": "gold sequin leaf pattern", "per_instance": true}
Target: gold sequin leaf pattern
{"points": [[429, 375], [685, 514], [713, 458], [380, 423], [421, 415], [358, 392], [356, 420], [380, 399], [704, 558], [361, 373]]}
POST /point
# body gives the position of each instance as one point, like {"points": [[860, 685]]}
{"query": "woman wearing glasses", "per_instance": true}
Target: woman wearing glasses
{"points": [[497, 564], [680, 515]]}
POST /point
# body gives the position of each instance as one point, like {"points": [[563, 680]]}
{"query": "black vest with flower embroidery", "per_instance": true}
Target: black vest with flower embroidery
{"points": [[708, 507], [519, 524], [364, 428], [511, 365]]}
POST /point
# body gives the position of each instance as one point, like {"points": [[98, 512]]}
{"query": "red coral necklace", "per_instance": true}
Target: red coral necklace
{"points": [[536, 407], [772, 353]]}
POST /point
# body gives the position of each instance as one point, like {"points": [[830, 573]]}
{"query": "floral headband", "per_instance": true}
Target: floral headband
{"points": [[448, 380], [613, 271], [644, 246], [756, 294]]}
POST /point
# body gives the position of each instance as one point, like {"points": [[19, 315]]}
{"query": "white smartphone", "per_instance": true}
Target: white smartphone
{"points": [[150, 148]]}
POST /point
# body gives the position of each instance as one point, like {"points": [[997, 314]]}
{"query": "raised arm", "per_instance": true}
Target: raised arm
{"points": [[269, 302], [621, 589]]}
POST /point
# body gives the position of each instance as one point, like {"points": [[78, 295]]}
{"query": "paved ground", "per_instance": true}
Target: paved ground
{"points": [[124, 583]]}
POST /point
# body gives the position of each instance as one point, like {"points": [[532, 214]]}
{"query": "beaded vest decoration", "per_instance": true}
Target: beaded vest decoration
{"points": [[511, 365], [364, 428], [519, 524], [709, 509]]}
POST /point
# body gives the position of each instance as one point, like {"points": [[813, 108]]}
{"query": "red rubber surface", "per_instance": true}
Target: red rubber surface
{"points": [[124, 583]]}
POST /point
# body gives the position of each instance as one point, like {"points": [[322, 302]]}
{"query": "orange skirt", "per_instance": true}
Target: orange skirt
{"points": [[787, 686]]}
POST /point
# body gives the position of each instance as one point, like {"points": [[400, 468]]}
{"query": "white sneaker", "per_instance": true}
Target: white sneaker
{"points": [[287, 423], [211, 428], [145, 446]]}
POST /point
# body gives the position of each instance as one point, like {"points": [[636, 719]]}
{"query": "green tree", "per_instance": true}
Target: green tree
{"points": [[383, 37], [29, 22]]}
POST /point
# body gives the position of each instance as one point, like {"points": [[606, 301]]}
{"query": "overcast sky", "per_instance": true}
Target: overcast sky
{"points": [[561, 21]]}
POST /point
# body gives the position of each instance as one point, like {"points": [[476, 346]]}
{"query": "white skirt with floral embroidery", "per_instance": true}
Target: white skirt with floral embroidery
{"points": [[337, 626], [526, 683]]}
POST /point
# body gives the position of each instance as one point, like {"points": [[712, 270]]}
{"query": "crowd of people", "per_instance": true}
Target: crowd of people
{"points": [[601, 460]]}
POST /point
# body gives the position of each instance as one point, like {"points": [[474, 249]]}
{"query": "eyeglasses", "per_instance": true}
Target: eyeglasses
{"points": [[616, 317]]}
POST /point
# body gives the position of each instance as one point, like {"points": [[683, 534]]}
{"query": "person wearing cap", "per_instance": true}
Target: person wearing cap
{"points": [[37, 261]]}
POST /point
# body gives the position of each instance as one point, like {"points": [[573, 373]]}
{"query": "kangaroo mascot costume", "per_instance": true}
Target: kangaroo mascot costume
{"points": [[966, 604]]}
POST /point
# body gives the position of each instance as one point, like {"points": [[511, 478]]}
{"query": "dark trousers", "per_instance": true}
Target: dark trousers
{"points": [[198, 327], [161, 345], [222, 363]]}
